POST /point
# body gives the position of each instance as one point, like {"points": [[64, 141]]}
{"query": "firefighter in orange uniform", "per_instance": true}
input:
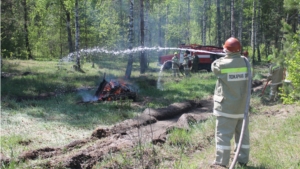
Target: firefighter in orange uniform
{"points": [[230, 99]]}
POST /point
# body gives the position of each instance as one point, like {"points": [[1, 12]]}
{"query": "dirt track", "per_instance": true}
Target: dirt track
{"points": [[152, 125]]}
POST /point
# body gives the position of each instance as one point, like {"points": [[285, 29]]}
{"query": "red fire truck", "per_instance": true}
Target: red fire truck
{"points": [[206, 55]]}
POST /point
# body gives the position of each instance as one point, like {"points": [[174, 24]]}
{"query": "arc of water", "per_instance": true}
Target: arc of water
{"points": [[134, 50]]}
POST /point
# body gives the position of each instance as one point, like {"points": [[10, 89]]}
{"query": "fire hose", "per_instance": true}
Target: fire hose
{"points": [[263, 91], [244, 125]]}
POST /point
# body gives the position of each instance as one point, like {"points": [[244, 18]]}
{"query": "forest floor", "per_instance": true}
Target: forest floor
{"points": [[154, 124]]}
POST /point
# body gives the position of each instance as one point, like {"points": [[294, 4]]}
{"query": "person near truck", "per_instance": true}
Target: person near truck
{"points": [[185, 64], [195, 63], [230, 97], [175, 65], [275, 76]]}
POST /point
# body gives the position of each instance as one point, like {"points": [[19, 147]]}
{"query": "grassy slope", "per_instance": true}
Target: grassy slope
{"points": [[58, 120]]}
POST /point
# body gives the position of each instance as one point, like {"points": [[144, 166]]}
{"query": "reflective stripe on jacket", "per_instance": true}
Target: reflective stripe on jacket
{"points": [[231, 88]]}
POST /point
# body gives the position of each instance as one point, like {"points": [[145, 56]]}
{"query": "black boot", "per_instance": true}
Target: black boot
{"points": [[242, 164]]}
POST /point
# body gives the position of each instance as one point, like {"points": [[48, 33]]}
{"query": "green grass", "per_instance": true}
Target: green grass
{"points": [[58, 120], [275, 141]]}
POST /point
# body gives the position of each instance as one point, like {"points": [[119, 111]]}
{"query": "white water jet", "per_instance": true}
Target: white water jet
{"points": [[159, 84], [72, 56]]}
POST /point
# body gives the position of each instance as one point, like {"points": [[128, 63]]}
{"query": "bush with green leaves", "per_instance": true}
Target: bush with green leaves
{"points": [[291, 55]]}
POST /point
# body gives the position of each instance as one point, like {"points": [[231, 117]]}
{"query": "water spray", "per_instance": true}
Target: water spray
{"points": [[159, 85], [72, 56]]}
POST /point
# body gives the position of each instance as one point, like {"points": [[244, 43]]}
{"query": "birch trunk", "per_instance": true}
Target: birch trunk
{"points": [[121, 22], [143, 61], [68, 26], [187, 35], [147, 31], [218, 24], [209, 23], [166, 31], [258, 32], [232, 30], [253, 32], [77, 35], [26, 30], [226, 31], [130, 37], [240, 31], [204, 23], [160, 42]]}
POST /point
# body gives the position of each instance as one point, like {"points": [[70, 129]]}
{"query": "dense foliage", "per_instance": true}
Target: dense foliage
{"points": [[45, 29], [290, 55], [104, 23]]}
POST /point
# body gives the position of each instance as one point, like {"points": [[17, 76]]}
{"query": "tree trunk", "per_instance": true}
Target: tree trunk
{"points": [[278, 24], [26, 30], [121, 21], [218, 24], [232, 30], [160, 41], [130, 37], [187, 34], [147, 31], [68, 24], [226, 31], [240, 31], [77, 35], [167, 22], [70, 41], [209, 25], [143, 61], [204, 23], [85, 29], [253, 32], [258, 32]]}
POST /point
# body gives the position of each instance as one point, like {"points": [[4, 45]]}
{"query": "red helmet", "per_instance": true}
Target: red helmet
{"points": [[245, 53], [232, 45]]}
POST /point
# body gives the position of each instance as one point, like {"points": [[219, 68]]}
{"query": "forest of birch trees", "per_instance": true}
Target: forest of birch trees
{"points": [[32, 29]]}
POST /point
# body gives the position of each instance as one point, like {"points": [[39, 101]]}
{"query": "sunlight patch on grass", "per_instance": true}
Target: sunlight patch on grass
{"points": [[40, 133], [275, 142]]}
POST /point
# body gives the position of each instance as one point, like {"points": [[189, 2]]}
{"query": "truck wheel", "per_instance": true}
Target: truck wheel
{"points": [[167, 66]]}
